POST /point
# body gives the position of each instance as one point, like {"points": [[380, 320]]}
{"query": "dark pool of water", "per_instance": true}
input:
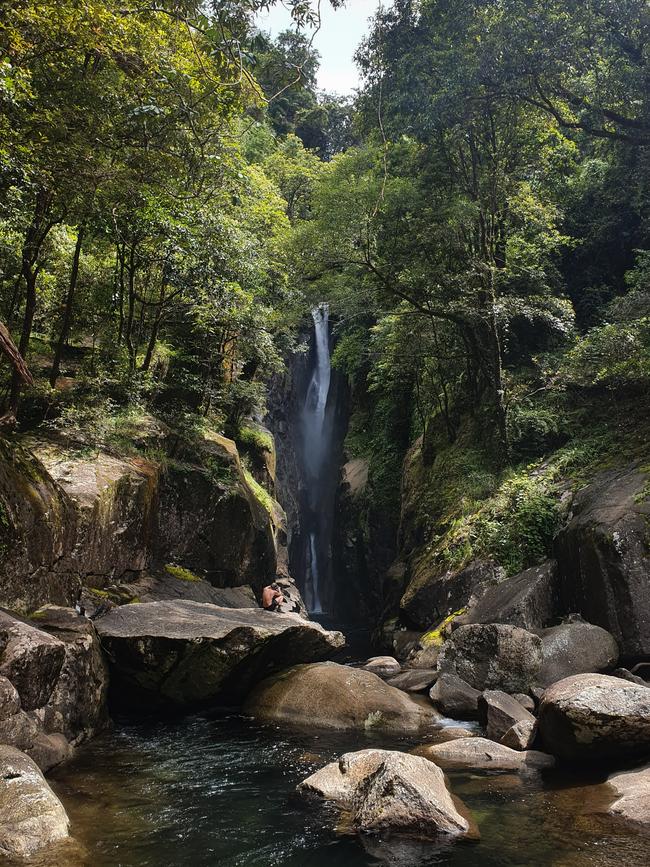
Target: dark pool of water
{"points": [[200, 791]]}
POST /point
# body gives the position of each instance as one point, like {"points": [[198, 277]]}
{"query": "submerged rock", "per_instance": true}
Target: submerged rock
{"points": [[382, 790], [331, 696], [31, 816], [593, 715], [575, 648], [480, 754], [493, 656], [187, 653], [632, 804]]}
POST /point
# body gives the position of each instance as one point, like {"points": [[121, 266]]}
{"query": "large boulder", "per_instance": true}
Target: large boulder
{"points": [[591, 716], [632, 804], [32, 660], [331, 696], [431, 596], [454, 697], [493, 656], [9, 699], [528, 600], [604, 558], [185, 653], [575, 648], [506, 720], [383, 790], [480, 754], [31, 816]]}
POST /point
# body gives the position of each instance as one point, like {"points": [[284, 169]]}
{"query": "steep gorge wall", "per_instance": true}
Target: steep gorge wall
{"points": [[70, 518]]}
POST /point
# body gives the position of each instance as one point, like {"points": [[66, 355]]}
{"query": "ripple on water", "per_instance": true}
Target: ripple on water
{"points": [[201, 792]]}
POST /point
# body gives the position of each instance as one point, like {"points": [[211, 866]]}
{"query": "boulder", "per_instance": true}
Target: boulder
{"points": [[499, 712], [390, 791], [493, 656], [521, 735], [526, 701], [383, 666], [31, 816], [185, 653], [430, 596], [424, 657], [455, 698], [480, 754], [48, 751], [20, 730], [9, 699], [603, 557], [632, 804], [575, 648], [414, 679], [591, 716], [627, 675], [331, 696], [31, 660], [528, 600]]}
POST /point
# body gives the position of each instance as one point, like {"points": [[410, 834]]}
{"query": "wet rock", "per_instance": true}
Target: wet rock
{"points": [[185, 653], [480, 754], [390, 791], [590, 716], [9, 699], [414, 680], [528, 600], [431, 597], [48, 751], [493, 656], [31, 816], [575, 648], [383, 666], [32, 661], [499, 712], [604, 558], [526, 701], [632, 804], [455, 698], [331, 696], [79, 697]]}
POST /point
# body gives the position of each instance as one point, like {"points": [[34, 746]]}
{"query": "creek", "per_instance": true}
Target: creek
{"points": [[220, 790]]}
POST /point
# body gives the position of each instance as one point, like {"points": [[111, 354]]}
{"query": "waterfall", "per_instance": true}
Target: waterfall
{"points": [[316, 447]]}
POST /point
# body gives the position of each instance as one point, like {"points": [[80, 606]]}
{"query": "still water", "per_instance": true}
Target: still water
{"points": [[221, 791]]}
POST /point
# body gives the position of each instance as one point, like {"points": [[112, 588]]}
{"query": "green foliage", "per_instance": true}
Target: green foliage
{"points": [[254, 438], [181, 573], [260, 493]]}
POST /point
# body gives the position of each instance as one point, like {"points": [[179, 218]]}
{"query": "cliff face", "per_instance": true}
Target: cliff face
{"points": [[70, 518]]}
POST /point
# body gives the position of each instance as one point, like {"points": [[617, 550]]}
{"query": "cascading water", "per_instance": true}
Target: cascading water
{"points": [[316, 448]]}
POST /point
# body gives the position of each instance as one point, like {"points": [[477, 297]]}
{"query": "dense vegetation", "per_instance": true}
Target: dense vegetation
{"points": [[175, 194]]}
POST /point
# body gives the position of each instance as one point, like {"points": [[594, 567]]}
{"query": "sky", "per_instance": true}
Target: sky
{"points": [[341, 32]]}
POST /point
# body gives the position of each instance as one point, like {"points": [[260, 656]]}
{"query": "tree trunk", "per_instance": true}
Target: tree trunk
{"points": [[67, 315]]}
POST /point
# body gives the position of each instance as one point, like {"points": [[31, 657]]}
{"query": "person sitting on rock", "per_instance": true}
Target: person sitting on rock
{"points": [[272, 597]]}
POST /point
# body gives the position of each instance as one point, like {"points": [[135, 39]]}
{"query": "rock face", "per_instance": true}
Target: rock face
{"points": [[455, 698], [390, 791], [31, 816], [493, 656], [632, 804], [575, 648], [431, 597], [604, 558], [483, 755], [70, 519], [592, 715], [186, 653], [53, 685], [528, 600], [331, 696], [499, 712]]}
